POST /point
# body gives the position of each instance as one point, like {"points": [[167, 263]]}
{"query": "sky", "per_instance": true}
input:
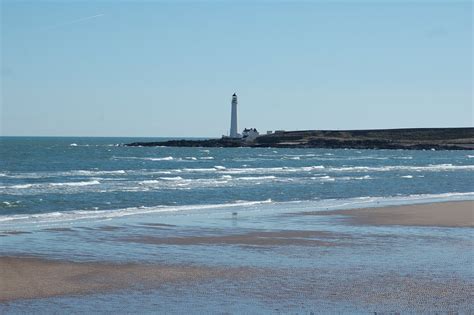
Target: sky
{"points": [[169, 68]]}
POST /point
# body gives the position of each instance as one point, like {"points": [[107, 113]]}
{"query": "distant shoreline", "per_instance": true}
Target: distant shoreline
{"points": [[406, 139]]}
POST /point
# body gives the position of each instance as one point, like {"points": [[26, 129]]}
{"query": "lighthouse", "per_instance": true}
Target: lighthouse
{"points": [[233, 119]]}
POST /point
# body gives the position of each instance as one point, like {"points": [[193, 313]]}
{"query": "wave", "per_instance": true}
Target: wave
{"points": [[76, 215], [166, 158], [93, 182], [288, 206], [326, 178], [95, 173], [149, 182], [22, 186], [431, 167], [65, 173], [172, 178], [284, 169], [43, 185], [246, 170], [255, 177]]}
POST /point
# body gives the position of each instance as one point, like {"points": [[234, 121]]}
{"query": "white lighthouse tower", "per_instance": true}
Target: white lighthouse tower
{"points": [[233, 119]]}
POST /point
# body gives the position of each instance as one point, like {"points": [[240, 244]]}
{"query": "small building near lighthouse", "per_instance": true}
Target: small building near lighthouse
{"points": [[250, 134]]}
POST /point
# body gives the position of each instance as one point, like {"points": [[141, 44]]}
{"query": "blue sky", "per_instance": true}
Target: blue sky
{"points": [[169, 68]]}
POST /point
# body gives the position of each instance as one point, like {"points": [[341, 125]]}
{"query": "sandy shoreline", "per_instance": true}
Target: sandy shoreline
{"points": [[442, 214], [25, 278], [33, 278]]}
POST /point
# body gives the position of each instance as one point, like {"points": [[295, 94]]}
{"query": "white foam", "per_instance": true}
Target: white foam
{"points": [[366, 177], [73, 145], [148, 182], [76, 215], [255, 177], [95, 173], [407, 176], [301, 205], [207, 158], [192, 170], [251, 170], [172, 178], [168, 158], [87, 183], [24, 186], [428, 168]]}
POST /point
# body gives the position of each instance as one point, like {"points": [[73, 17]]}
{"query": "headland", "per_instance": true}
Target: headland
{"points": [[407, 139]]}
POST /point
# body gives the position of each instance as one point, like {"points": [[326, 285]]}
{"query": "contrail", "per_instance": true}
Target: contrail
{"points": [[73, 22]]}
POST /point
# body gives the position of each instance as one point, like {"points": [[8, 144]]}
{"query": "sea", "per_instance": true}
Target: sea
{"points": [[57, 194]]}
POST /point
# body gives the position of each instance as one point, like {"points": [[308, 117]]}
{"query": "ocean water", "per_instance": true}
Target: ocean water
{"points": [[87, 199], [67, 175]]}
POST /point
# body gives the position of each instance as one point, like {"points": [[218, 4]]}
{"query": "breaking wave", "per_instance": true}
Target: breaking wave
{"points": [[93, 182], [75, 215], [287, 206]]}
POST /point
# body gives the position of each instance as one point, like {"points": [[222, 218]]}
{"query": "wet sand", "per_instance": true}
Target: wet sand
{"points": [[40, 278], [256, 238], [444, 214], [24, 277], [422, 290]]}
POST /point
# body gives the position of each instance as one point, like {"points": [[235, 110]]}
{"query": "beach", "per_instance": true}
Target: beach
{"points": [[270, 283]]}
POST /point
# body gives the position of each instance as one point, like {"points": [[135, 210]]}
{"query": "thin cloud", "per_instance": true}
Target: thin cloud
{"points": [[72, 22]]}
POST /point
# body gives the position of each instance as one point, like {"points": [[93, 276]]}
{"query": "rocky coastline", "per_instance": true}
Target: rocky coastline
{"points": [[407, 139]]}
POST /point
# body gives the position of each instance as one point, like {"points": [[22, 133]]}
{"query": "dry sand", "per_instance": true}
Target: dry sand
{"points": [[444, 214]]}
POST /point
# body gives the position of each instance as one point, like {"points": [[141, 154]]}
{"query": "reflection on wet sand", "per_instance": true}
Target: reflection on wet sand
{"points": [[259, 238], [24, 277]]}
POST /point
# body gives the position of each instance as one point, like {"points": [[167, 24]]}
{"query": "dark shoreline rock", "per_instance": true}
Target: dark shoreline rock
{"points": [[406, 139]]}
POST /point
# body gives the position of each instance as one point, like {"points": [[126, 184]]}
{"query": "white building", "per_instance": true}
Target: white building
{"points": [[249, 134]]}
